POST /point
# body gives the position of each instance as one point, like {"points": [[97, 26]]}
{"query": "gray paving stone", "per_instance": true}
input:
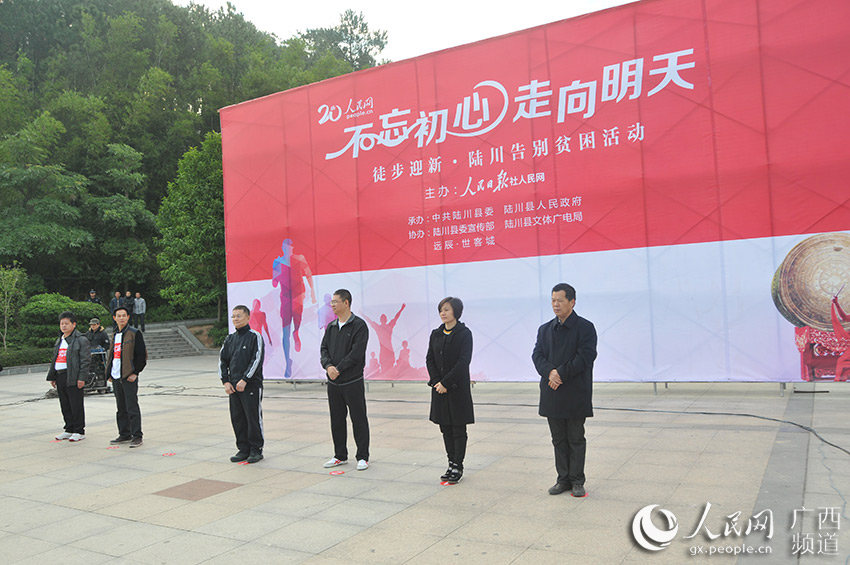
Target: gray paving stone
{"points": [[289, 509]]}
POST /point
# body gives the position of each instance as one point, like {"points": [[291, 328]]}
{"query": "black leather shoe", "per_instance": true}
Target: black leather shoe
{"points": [[558, 488], [241, 456], [255, 456], [579, 492]]}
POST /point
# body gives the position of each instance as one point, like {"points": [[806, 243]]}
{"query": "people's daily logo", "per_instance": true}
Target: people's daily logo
{"points": [[647, 535]]}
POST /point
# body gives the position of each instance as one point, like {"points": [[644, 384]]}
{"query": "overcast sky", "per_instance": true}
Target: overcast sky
{"points": [[414, 29]]}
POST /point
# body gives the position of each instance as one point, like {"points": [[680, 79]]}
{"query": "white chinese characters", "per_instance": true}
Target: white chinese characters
{"points": [[488, 104]]}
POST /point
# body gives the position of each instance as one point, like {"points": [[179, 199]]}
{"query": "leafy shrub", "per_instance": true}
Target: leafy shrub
{"points": [[218, 332], [161, 313], [169, 313], [26, 356], [40, 317]]}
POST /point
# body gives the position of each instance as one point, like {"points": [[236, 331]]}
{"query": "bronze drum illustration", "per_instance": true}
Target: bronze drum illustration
{"points": [[814, 271], [811, 274]]}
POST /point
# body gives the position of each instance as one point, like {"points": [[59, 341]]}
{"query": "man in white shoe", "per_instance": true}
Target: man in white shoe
{"points": [[344, 358], [68, 373]]}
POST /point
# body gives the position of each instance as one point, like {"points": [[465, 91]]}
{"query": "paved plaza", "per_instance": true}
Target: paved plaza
{"points": [[690, 448]]}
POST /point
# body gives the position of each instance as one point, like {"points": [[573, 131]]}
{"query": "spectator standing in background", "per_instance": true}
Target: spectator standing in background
{"points": [[129, 303], [139, 309], [113, 305], [97, 335]]}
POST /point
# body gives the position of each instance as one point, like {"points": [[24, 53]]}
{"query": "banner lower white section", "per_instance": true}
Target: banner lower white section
{"points": [[700, 312]]}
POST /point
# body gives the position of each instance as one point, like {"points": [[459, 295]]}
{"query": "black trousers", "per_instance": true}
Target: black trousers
{"points": [[139, 321], [129, 415], [454, 437], [246, 415], [570, 449], [341, 400], [73, 409]]}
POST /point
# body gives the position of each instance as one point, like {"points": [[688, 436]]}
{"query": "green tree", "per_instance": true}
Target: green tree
{"points": [[12, 282], [13, 108], [122, 173], [122, 228], [99, 99], [191, 221], [156, 126], [39, 217], [126, 61], [350, 41], [122, 242], [87, 131]]}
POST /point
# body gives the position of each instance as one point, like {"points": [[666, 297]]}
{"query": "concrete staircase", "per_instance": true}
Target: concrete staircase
{"points": [[169, 342]]}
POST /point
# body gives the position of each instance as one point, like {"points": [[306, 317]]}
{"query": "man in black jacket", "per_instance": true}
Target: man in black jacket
{"points": [[241, 371], [115, 302], [128, 302], [344, 358], [67, 374], [126, 358], [563, 356]]}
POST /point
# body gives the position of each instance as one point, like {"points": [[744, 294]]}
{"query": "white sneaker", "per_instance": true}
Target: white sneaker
{"points": [[334, 463], [362, 465], [64, 435], [77, 437]]}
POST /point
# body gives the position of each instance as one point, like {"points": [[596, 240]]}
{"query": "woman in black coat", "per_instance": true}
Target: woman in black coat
{"points": [[448, 358]]}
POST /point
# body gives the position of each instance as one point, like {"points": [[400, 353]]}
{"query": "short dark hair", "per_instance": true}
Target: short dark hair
{"points": [[243, 308], [344, 294], [455, 303], [70, 316], [120, 308], [568, 290]]}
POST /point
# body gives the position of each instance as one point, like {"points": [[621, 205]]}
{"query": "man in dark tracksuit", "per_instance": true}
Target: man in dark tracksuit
{"points": [[563, 356], [241, 372], [68, 373], [126, 358], [344, 358]]}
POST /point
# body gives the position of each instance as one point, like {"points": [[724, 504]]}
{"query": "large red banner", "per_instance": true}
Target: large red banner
{"points": [[659, 123]]}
